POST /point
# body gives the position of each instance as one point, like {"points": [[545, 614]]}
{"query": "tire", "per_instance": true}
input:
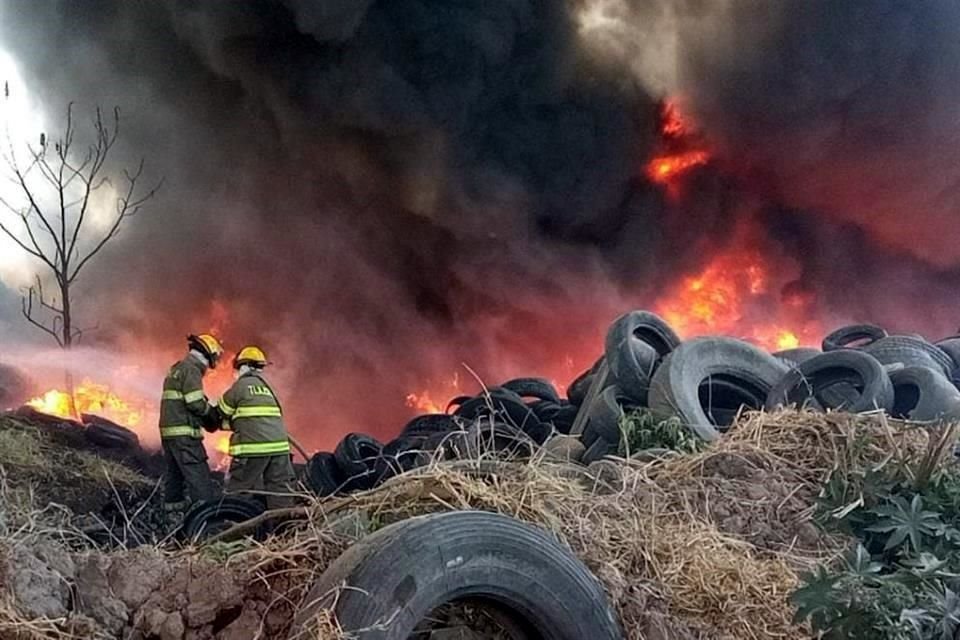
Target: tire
{"points": [[397, 576], [213, 516], [793, 357], [456, 403], [483, 438], [324, 477], [675, 388], [429, 424], [545, 410], [104, 433], [911, 352], [398, 456], [923, 395], [951, 346], [356, 456], [722, 398], [806, 384], [842, 338], [578, 389], [538, 388], [502, 403], [634, 346], [603, 419], [598, 449], [564, 418]]}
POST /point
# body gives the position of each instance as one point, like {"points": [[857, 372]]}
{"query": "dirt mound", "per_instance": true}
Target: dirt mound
{"points": [[47, 463], [707, 545]]}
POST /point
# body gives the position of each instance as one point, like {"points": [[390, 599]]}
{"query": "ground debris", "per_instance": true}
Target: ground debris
{"points": [[701, 546]]}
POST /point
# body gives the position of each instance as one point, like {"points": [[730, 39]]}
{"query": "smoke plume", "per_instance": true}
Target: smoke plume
{"points": [[379, 191]]}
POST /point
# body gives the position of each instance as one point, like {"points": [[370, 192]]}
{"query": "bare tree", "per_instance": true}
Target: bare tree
{"points": [[56, 187]]}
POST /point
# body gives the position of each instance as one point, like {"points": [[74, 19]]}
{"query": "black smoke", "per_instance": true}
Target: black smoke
{"points": [[380, 190]]}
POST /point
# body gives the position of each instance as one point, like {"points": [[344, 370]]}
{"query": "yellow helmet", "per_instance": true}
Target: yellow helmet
{"points": [[208, 345], [250, 355]]}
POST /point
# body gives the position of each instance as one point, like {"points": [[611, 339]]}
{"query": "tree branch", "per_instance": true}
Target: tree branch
{"points": [[27, 310], [127, 207]]}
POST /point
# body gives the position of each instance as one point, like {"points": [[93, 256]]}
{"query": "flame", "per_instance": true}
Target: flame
{"points": [[663, 169], [423, 403], [673, 124], [682, 148], [92, 398], [727, 296]]}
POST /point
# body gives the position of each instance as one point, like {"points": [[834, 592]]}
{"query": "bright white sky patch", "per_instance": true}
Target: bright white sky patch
{"points": [[21, 120]]}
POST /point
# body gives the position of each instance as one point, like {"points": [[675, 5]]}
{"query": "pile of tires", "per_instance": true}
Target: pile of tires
{"points": [[705, 382], [513, 419]]}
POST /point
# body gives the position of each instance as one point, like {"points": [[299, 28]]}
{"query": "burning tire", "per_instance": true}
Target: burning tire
{"points": [[211, 517], [532, 388], [383, 586], [911, 351], [678, 386], [923, 395], [864, 384], [634, 346], [854, 335], [104, 433], [323, 474]]}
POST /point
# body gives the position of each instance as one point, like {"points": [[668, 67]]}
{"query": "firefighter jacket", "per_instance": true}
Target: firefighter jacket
{"points": [[252, 412], [183, 405]]}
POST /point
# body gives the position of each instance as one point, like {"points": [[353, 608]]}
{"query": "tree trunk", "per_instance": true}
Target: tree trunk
{"points": [[67, 337]]}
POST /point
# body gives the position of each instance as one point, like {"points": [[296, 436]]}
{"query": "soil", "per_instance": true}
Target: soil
{"points": [[744, 496]]}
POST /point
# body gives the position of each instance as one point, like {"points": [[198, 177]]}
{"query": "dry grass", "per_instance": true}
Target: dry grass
{"points": [[30, 453], [701, 546], [648, 530]]}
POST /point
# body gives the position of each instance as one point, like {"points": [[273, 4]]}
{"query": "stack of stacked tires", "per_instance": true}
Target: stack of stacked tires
{"points": [[513, 419], [705, 382]]}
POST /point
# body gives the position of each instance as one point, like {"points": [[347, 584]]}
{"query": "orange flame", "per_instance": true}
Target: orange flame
{"points": [[717, 300], [423, 403], [89, 397], [682, 149], [664, 169]]}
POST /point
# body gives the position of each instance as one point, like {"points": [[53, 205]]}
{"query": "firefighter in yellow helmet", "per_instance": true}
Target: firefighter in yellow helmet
{"points": [[258, 444], [184, 411]]}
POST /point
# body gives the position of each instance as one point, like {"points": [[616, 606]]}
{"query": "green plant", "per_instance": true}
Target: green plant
{"points": [[902, 580], [907, 522], [643, 429]]}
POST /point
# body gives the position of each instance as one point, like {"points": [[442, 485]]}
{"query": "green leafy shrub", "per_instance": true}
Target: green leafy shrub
{"points": [[903, 579]]}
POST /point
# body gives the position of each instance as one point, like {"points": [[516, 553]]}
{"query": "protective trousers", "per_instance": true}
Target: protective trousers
{"points": [[188, 475], [272, 474]]}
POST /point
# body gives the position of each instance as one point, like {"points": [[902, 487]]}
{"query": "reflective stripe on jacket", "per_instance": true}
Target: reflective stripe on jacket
{"points": [[183, 404], [253, 413]]}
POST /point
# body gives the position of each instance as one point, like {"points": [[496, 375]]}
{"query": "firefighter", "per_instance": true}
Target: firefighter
{"points": [[258, 442], [184, 410]]}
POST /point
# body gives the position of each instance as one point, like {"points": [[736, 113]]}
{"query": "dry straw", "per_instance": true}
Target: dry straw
{"points": [[708, 545]]}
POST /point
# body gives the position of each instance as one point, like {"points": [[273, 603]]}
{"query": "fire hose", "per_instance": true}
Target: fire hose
{"points": [[298, 447]]}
